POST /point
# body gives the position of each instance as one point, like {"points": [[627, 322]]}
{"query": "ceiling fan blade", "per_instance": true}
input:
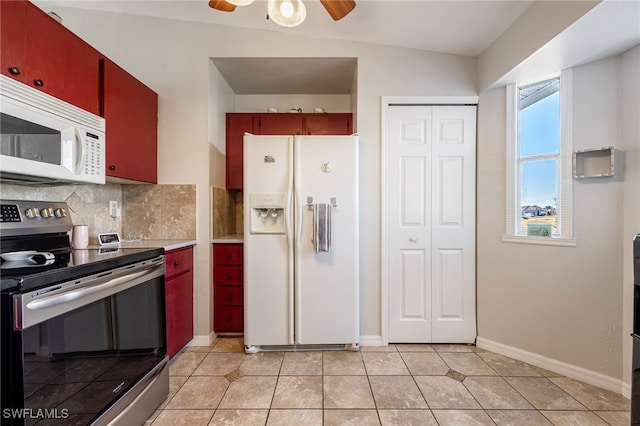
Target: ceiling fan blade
{"points": [[222, 5], [338, 9]]}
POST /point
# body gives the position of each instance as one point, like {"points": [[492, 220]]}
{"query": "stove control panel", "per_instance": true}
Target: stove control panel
{"points": [[18, 217], [9, 213]]}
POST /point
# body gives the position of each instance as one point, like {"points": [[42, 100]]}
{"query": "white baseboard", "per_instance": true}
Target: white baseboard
{"points": [[569, 370], [203, 340], [371, 341]]}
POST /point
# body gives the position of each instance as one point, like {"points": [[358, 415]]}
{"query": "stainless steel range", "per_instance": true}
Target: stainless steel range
{"points": [[82, 331]]}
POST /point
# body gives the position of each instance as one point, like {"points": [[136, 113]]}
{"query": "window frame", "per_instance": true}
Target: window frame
{"points": [[565, 236]]}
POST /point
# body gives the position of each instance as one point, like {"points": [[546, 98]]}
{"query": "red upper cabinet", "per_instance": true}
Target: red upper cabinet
{"points": [[13, 38], [279, 124], [276, 124], [237, 125], [327, 124], [40, 52], [131, 112]]}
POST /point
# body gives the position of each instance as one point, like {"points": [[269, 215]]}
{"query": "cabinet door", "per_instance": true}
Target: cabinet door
{"points": [[131, 114], [327, 124], [40, 52], [179, 312], [12, 38], [237, 125], [82, 78], [45, 50], [279, 124]]}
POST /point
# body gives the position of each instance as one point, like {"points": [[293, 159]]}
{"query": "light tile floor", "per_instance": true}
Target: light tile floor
{"points": [[394, 385]]}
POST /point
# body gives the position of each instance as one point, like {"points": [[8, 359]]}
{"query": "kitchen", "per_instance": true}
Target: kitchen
{"points": [[515, 311]]}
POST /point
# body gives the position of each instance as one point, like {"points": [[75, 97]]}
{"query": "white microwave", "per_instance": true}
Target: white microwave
{"points": [[46, 140]]}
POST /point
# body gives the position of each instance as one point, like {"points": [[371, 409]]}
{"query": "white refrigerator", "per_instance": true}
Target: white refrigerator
{"points": [[301, 267]]}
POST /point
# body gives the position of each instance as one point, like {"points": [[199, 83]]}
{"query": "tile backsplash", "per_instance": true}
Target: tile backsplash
{"points": [[226, 212], [159, 212], [148, 211]]}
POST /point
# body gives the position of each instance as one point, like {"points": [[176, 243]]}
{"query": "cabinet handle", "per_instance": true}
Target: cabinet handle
{"points": [[38, 82], [298, 132], [14, 71], [229, 318], [112, 167], [309, 132], [176, 263], [229, 297], [229, 255], [229, 276]]}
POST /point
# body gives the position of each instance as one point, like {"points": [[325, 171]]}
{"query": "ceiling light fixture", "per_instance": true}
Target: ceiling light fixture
{"points": [[240, 2], [289, 13]]}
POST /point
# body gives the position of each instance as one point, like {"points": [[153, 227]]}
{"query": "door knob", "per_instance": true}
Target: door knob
{"points": [[413, 239]]}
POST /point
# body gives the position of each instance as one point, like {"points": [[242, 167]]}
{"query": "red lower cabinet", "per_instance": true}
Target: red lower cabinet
{"points": [[179, 299], [228, 291]]}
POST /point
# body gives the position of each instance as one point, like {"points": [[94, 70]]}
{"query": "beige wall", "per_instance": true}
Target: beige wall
{"points": [[562, 303], [630, 133], [172, 57]]}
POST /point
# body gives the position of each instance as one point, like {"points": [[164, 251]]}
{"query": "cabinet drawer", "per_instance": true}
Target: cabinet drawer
{"points": [[228, 320], [178, 261], [227, 275], [228, 296], [227, 254]]}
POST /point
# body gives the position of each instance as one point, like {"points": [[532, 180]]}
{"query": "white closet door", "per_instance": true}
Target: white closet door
{"points": [[453, 276], [409, 213], [431, 224]]}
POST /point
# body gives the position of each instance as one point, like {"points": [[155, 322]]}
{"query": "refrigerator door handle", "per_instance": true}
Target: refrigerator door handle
{"points": [[290, 221], [298, 226]]}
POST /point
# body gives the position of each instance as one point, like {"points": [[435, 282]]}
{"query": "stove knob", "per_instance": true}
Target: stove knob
{"points": [[60, 212], [32, 212], [46, 212]]}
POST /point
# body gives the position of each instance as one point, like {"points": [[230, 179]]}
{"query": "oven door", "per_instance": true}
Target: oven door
{"points": [[75, 353]]}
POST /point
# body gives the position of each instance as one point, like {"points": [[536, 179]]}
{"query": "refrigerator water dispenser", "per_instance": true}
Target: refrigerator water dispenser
{"points": [[267, 213]]}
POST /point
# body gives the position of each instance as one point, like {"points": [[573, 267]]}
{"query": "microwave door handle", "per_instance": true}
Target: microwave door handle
{"points": [[79, 154]]}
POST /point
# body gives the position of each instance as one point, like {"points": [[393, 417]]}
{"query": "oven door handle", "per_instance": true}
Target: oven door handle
{"points": [[57, 299], [32, 309]]}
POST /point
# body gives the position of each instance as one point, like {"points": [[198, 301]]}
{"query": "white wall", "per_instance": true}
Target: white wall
{"points": [[172, 58], [563, 304]]}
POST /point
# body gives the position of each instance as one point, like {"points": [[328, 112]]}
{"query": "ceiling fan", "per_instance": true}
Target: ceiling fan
{"points": [[289, 13]]}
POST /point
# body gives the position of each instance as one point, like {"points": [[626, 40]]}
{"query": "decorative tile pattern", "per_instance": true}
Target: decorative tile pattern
{"points": [[419, 385], [159, 212]]}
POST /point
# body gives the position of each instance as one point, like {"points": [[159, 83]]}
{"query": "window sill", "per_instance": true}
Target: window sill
{"points": [[543, 241]]}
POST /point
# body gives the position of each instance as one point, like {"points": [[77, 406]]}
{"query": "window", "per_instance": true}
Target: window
{"points": [[539, 185]]}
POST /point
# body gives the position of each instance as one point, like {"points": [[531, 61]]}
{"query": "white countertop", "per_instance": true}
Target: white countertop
{"points": [[229, 239]]}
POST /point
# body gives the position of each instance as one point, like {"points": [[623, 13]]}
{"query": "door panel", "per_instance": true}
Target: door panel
{"points": [[453, 241], [450, 192], [268, 282], [413, 171], [409, 216], [431, 211], [414, 303], [327, 307]]}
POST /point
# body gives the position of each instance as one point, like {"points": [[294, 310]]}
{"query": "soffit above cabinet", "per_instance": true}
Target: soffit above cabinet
{"points": [[288, 76]]}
